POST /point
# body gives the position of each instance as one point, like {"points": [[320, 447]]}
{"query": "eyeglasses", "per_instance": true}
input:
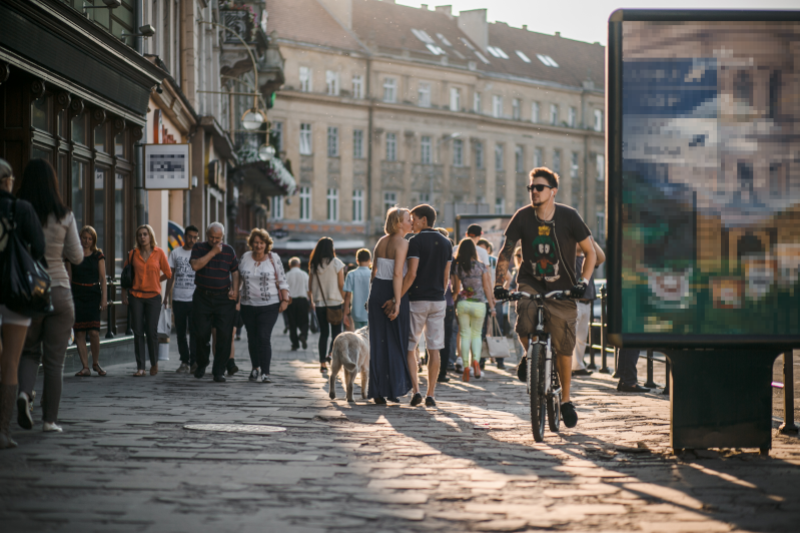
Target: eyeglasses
{"points": [[518, 255], [539, 187]]}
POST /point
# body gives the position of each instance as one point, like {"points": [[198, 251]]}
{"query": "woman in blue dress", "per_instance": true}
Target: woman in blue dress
{"points": [[389, 323]]}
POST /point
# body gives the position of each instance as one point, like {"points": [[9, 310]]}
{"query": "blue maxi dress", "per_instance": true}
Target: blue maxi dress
{"points": [[388, 365]]}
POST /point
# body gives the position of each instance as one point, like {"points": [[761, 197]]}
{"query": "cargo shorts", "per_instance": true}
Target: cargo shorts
{"points": [[561, 317]]}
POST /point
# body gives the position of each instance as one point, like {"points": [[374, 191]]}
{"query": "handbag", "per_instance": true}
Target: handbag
{"points": [[164, 327], [277, 285], [333, 315], [496, 345], [26, 283], [128, 274]]}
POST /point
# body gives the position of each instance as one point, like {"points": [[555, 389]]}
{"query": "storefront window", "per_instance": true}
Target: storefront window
{"points": [[39, 114], [78, 188], [119, 220], [79, 130], [99, 206], [119, 144], [38, 152], [100, 138]]}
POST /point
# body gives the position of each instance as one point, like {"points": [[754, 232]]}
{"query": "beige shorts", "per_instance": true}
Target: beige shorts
{"points": [[430, 317], [12, 318], [560, 317]]}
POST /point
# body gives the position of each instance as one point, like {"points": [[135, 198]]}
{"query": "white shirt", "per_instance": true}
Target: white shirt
{"points": [[483, 255], [258, 280], [61, 241], [182, 273], [327, 276], [298, 283]]}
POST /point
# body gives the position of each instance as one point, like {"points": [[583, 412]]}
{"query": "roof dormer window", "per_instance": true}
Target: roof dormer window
{"points": [[481, 57], [523, 57], [547, 60], [435, 50], [497, 52], [422, 36], [443, 39]]}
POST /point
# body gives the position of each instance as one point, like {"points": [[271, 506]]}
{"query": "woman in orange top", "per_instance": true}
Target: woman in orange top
{"points": [[144, 302]]}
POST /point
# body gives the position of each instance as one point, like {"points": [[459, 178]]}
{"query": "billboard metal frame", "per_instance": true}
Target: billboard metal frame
{"points": [[614, 190]]}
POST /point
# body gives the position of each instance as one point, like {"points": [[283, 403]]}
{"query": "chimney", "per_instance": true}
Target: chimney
{"points": [[447, 10], [342, 11], [473, 23], [424, 7], [558, 34]]}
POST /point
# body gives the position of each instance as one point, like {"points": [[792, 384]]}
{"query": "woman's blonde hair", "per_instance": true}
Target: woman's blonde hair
{"points": [[152, 233], [93, 234], [261, 234], [394, 217]]}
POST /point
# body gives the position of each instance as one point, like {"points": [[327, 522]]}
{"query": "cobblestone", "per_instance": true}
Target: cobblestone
{"points": [[127, 462]]}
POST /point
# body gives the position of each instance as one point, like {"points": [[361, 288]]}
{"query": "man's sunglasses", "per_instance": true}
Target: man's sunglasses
{"points": [[538, 187]]}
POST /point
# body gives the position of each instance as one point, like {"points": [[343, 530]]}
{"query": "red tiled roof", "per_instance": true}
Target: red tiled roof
{"points": [[308, 22]]}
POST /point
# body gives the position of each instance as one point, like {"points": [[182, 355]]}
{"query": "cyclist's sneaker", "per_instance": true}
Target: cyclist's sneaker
{"points": [[569, 415], [522, 369]]}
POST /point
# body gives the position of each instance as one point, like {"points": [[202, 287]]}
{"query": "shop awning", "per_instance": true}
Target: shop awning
{"points": [[271, 178]]}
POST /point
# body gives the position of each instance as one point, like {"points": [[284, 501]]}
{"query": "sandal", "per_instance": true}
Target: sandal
{"points": [[154, 369], [139, 374], [97, 368], [85, 372]]}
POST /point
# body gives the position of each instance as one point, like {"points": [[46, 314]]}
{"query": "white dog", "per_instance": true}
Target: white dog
{"points": [[350, 351]]}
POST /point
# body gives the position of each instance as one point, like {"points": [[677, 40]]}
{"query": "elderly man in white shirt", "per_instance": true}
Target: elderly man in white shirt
{"points": [[297, 312]]}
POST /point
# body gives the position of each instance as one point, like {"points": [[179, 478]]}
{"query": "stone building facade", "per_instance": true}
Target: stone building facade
{"points": [[386, 104]]}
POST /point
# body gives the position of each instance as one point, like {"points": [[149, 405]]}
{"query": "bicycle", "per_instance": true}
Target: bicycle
{"points": [[545, 394]]}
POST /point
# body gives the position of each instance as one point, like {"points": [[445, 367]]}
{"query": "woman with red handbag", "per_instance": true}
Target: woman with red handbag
{"points": [[263, 295]]}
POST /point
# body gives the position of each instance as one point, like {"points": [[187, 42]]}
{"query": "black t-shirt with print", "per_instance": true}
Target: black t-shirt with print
{"points": [[548, 248]]}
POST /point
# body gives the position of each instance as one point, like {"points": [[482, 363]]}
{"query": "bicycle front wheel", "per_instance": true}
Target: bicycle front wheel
{"points": [[538, 407]]}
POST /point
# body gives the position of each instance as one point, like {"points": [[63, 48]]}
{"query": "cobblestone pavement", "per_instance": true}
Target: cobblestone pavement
{"points": [[125, 462]]}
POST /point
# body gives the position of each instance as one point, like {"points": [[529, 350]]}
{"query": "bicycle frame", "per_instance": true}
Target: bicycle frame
{"points": [[552, 386]]}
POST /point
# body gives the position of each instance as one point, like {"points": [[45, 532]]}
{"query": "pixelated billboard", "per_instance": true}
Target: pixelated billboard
{"points": [[708, 176]]}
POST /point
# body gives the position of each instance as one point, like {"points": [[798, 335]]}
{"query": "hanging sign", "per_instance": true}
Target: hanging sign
{"points": [[166, 166]]}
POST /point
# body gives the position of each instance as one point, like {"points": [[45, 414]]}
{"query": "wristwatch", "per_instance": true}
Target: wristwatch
{"points": [[584, 281]]}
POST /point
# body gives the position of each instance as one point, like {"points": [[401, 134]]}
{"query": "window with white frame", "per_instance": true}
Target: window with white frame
{"points": [[535, 112], [499, 205], [305, 139], [277, 131], [498, 157], [389, 200], [557, 161], [598, 120], [425, 150], [572, 117], [519, 160], [358, 86], [333, 141], [458, 153], [390, 90], [425, 198], [391, 147], [424, 94], [305, 203], [358, 205], [277, 208], [553, 114], [333, 205], [305, 79], [497, 106], [515, 110], [476, 102], [332, 82], [455, 99], [538, 157], [479, 155], [358, 144], [600, 164], [573, 165]]}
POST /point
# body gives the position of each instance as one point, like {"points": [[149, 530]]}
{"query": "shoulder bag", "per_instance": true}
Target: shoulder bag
{"points": [[496, 344], [277, 285], [26, 283], [128, 274], [334, 316]]}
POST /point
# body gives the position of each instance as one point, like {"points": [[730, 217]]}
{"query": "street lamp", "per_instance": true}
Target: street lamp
{"points": [[252, 119], [266, 152]]}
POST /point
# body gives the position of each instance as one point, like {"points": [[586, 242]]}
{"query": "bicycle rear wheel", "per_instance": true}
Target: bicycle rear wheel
{"points": [[538, 407]]}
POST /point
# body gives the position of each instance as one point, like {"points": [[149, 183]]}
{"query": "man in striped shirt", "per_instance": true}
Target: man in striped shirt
{"points": [[214, 301]]}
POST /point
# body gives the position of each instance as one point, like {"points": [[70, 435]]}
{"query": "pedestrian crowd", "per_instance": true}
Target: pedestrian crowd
{"points": [[416, 288]]}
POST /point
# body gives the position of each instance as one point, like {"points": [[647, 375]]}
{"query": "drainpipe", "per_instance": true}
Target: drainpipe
{"points": [[369, 149], [138, 148]]}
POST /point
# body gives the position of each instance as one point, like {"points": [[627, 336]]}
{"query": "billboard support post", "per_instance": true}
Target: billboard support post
{"points": [[719, 398], [788, 425]]}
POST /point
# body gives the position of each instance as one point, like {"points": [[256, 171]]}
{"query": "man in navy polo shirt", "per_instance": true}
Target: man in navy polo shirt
{"points": [[431, 253], [214, 301]]}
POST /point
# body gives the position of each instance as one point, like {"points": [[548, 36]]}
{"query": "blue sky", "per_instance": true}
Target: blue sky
{"points": [[585, 20]]}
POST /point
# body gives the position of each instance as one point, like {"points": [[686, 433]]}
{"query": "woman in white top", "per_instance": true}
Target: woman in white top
{"points": [[48, 336], [326, 283], [263, 295], [389, 323]]}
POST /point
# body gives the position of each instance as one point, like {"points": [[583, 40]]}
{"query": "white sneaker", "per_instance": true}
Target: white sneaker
{"points": [[49, 427], [255, 375], [264, 379]]}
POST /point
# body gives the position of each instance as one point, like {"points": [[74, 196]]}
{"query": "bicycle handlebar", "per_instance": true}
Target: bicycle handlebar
{"points": [[552, 295]]}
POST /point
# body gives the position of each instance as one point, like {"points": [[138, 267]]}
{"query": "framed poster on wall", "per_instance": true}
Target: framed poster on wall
{"points": [[703, 178], [166, 166]]}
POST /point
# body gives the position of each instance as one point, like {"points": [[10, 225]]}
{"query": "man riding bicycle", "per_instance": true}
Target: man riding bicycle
{"points": [[548, 233]]}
